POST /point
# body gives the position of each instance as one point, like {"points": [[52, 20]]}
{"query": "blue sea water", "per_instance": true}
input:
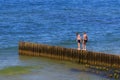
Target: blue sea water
{"points": [[55, 22]]}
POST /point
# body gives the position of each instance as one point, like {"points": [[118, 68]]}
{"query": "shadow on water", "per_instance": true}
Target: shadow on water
{"points": [[74, 70]]}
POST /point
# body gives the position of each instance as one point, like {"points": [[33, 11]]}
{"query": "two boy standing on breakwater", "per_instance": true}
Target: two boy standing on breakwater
{"points": [[84, 40]]}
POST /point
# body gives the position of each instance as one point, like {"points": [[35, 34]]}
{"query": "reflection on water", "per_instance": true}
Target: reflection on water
{"points": [[36, 68]]}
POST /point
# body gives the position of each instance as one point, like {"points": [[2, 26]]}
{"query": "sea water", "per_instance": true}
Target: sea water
{"points": [[55, 22]]}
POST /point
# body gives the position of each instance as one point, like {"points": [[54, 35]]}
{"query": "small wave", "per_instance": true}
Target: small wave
{"points": [[9, 48]]}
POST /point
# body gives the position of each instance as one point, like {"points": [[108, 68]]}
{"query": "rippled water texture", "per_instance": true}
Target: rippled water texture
{"points": [[56, 22]]}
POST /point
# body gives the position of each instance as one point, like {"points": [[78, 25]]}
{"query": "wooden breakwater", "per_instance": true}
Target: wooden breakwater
{"points": [[103, 60]]}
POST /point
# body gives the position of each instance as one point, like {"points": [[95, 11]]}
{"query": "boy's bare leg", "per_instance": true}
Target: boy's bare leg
{"points": [[78, 46]]}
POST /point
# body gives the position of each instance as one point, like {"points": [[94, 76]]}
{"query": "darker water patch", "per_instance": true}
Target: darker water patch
{"points": [[74, 70]]}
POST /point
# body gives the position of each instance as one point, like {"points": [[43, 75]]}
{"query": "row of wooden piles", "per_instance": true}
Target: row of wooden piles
{"points": [[80, 56]]}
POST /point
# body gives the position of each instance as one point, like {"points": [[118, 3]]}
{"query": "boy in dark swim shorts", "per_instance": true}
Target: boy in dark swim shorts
{"points": [[78, 38], [78, 41], [85, 39]]}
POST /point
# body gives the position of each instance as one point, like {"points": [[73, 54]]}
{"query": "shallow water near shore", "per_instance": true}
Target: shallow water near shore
{"points": [[36, 68]]}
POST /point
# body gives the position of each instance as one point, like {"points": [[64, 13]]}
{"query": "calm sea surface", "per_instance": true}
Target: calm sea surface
{"points": [[55, 22]]}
